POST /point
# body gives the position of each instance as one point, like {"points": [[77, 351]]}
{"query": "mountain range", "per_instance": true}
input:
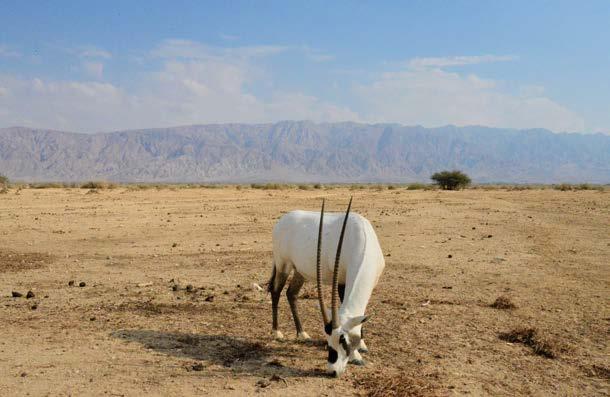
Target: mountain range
{"points": [[303, 151]]}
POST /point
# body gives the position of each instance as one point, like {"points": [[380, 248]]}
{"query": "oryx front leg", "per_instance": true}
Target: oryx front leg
{"points": [[292, 294], [277, 282]]}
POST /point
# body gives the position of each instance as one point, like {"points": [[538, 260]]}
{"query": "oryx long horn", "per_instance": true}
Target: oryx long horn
{"points": [[318, 270], [335, 290]]}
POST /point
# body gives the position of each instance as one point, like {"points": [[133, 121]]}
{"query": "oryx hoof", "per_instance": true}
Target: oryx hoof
{"points": [[363, 350], [303, 336], [357, 362], [278, 335]]}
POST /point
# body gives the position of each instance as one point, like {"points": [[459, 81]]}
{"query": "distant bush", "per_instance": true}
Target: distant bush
{"points": [[317, 186], [304, 187], [98, 185], [564, 187], [46, 185], [3, 180], [451, 180], [417, 186], [270, 186]]}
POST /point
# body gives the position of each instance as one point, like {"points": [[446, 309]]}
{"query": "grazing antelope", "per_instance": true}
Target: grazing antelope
{"points": [[353, 275]]}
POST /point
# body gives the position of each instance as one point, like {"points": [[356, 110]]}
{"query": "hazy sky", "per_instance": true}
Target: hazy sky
{"points": [[110, 65]]}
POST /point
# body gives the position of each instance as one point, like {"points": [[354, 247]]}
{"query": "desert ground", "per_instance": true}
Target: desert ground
{"points": [[150, 291]]}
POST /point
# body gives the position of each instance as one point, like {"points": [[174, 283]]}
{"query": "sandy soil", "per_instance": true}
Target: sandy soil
{"points": [[449, 256]]}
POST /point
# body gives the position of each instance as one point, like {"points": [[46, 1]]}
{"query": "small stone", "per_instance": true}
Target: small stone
{"points": [[82, 284], [23, 374], [71, 283], [29, 295], [174, 245], [175, 287], [209, 298], [34, 306], [262, 383], [92, 318], [449, 256], [197, 367], [489, 236], [16, 294], [189, 288]]}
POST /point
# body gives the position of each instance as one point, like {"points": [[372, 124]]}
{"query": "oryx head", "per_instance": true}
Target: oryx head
{"points": [[337, 332]]}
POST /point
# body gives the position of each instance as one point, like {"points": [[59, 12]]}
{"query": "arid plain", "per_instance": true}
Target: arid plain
{"points": [[151, 292]]}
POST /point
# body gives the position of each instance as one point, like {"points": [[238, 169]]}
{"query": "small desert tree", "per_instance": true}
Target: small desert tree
{"points": [[451, 180]]}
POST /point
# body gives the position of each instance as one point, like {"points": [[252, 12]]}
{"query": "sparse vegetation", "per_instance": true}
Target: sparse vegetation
{"points": [[417, 186], [270, 186], [98, 185], [451, 180], [3, 184], [395, 385], [530, 337], [503, 302]]}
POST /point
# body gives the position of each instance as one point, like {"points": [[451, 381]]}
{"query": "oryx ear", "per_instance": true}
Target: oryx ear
{"points": [[354, 321]]}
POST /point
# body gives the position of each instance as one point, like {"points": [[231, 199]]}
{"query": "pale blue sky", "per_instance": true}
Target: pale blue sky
{"points": [[116, 65]]}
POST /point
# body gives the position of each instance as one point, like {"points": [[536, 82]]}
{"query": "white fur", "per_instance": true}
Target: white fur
{"points": [[295, 238]]}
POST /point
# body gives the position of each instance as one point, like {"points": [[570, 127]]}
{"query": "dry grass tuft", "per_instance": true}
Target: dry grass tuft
{"points": [[15, 262], [503, 303], [530, 337], [395, 385]]}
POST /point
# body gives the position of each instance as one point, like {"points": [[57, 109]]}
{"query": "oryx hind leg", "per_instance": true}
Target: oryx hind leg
{"points": [[276, 284], [293, 294]]}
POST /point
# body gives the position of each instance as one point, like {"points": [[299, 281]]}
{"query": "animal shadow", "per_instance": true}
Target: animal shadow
{"points": [[237, 354]]}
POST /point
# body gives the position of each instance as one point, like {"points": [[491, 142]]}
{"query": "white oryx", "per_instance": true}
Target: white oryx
{"points": [[353, 275]]}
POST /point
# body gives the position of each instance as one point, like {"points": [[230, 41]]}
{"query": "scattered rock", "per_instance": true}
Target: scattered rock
{"points": [[34, 306], [197, 367], [71, 283], [175, 287], [29, 295], [82, 284], [257, 287], [92, 318], [189, 288], [262, 383], [209, 298], [174, 245], [449, 256], [141, 285], [16, 294], [489, 236], [499, 259], [23, 374]]}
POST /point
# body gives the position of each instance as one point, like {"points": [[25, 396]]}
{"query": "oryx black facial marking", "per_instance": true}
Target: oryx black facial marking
{"points": [[328, 329], [344, 344], [332, 355]]}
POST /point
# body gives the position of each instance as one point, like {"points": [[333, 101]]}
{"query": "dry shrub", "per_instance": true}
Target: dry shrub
{"points": [[503, 302], [395, 385], [530, 337], [97, 185], [270, 186]]}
